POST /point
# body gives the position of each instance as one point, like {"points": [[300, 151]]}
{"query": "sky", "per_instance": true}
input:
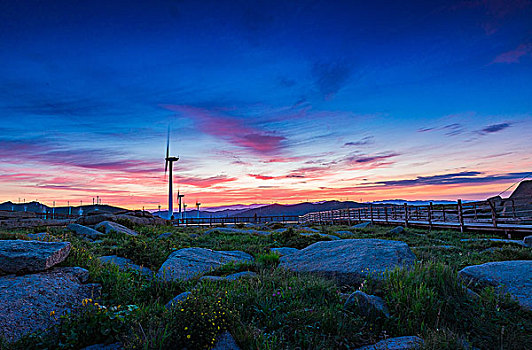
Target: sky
{"points": [[267, 101]]}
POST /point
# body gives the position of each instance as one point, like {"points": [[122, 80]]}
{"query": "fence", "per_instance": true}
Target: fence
{"points": [[506, 215]]}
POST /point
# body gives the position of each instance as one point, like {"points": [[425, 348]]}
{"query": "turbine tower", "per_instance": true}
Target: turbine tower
{"points": [[169, 161], [197, 206]]}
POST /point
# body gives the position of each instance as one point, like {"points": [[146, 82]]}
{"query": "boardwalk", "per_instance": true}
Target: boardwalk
{"points": [[496, 215]]}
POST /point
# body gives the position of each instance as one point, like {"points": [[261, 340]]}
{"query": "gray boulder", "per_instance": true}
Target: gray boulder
{"points": [[164, 235], [188, 263], [95, 219], [236, 230], [125, 264], [396, 230], [84, 231], [399, 343], [27, 301], [508, 276], [284, 250], [362, 224], [109, 226], [350, 261], [225, 341], [19, 256], [114, 346], [178, 299], [367, 305], [527, 241], [323, 235]]}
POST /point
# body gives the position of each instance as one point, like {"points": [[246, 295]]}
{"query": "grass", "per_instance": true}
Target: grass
{"points": [[279, 309]]}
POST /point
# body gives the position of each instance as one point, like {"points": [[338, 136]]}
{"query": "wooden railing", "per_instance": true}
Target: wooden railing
{"points": [[496, 213], [212, 221]]}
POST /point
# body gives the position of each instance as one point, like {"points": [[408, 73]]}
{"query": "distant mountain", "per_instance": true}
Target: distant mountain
{"points": [[36, 207], [419, 202], [299, 209]]}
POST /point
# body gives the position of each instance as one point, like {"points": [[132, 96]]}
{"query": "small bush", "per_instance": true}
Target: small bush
{"points": [[268, 260]]}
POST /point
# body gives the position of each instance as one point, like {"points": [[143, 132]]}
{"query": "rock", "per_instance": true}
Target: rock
{"points": [[236, 230], [239, 275], [397, 230], [367, 305], [349, 261], [527, 241], [225, 341], [232, 277], [84, 231], [178, 299], [436, 247], [37, 236], [109, 226], [125, 264], [5, 214], [18, 256], [193, 235], [188, 263], [95, 219], [309, 229], [284, 250], [399, 343], [114, 346], [26, 301], [344, 233], [140, 220], [362, 224], [323, 235], [79, 272], [509, 276], [164, 235], [496, 240]]}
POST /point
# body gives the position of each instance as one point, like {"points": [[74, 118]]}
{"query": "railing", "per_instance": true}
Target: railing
{"points": [[496, 213], [211, 221]]}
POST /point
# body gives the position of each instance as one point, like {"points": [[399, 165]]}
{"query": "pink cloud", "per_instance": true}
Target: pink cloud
{"points": [[231, 129], [204, 182], [515, 55]]}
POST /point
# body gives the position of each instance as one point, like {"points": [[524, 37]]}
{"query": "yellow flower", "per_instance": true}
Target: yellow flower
{"points": [[186, 328], [52, 313], [188, 336]]}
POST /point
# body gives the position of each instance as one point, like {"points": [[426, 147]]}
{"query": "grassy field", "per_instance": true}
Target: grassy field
{"points": [[279, 309]]}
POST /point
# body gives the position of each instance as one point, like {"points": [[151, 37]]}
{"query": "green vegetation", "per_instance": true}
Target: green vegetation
{"points": [[279, 309]]}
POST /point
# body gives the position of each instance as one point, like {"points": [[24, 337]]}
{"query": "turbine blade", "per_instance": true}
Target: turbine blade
{"points": [[168, 143]]}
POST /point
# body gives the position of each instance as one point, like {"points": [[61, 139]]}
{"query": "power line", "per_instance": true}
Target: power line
{"points": [[515, 184]]}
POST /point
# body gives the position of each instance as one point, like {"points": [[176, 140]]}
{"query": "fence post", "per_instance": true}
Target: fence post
{"points": [[386, 214], [349, 216], [371, 212], [493, 213], [460, 215], [443, 212], [430, 215], [406, 214], [359, 219]]}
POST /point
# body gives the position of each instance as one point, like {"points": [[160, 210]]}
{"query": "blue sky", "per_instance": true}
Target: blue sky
{"points": [[267, 100]]}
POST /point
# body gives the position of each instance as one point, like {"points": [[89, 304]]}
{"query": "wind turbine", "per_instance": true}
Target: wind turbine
{"points": [[169, 161]]}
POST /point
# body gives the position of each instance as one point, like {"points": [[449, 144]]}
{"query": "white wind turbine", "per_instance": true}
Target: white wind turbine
{"points": [[169, 161]]}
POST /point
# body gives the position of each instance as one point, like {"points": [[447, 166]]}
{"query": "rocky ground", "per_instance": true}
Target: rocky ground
{"points": [[126, 281]]}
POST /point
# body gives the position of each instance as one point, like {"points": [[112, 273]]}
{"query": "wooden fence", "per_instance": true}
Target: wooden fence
{"points": [[212, 221], [503, 215]]}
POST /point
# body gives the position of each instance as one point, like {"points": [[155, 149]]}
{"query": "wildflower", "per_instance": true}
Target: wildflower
{"points": [[52, 313], [188, 336]]}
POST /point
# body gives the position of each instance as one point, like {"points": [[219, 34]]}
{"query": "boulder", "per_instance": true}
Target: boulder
{"points": [[225, 341], [109, 226], [141, 220], [95, 219], [367, 305], [508, 276], [396, 230], [4, 214], [350, 261], [236, 230], [188, 263], [527, 241], [178, 299], [18, 256], [125, 264], [26, 302], [399, 343], [84, 231], [362, 224], [232, 277], [164, 235], [284, 250]]}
